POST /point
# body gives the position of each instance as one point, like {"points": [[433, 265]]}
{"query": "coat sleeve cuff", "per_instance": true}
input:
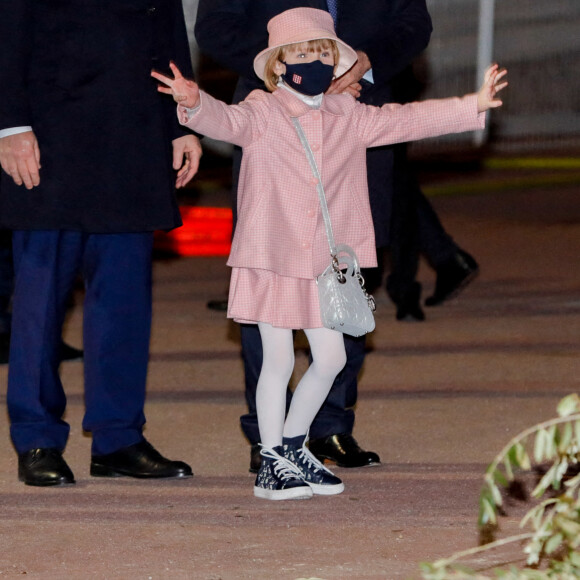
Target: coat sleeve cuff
{"points": [[185, 114]]}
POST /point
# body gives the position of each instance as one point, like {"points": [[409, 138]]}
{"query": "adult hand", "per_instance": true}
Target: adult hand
{"points": [[491, 86], [20, 158], [349, 81], [186, 155], [184, 91]]}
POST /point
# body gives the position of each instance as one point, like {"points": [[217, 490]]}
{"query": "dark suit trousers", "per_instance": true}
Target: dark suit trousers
{"points": [[6, 279], [404, 242], [434, 242], [116, 332], [335, 416], [415, 229]]}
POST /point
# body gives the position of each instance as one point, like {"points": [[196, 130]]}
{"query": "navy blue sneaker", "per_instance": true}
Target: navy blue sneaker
{"points": [[278, 478], [319, 478]]}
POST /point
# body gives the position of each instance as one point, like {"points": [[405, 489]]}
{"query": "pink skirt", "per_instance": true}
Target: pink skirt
{"points": [[282, 301]]}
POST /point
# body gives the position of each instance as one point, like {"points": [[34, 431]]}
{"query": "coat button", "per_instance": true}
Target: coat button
{"points": [[316, 115], [314, 181], [310, 213], [315, 147], [306, 245]]}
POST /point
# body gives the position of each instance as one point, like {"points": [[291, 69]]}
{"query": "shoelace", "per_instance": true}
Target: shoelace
{"points": [[283, 468], [307, 456]]}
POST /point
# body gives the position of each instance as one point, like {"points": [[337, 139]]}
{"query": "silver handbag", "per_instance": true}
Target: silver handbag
{"points": [[345, 305]]}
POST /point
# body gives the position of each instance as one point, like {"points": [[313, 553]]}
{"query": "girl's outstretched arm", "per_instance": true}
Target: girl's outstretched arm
{"points": [[492, 84], [185, 92]]}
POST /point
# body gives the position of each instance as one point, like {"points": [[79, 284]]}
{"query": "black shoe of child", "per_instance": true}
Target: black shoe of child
{"points": [[319, 478], [278, 478]]}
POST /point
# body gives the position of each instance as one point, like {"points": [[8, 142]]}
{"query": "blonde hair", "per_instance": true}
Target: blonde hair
{"points": [[279, 54]]}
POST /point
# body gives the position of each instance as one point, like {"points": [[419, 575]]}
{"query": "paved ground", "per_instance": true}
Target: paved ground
{"points": [[437, 401]]}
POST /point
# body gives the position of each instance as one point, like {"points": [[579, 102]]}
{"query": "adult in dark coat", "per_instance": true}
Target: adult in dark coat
{"points": [[387, 34], [87, 146]]}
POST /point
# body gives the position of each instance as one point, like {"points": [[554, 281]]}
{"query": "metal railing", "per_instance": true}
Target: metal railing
{"points": [[539, 43]]}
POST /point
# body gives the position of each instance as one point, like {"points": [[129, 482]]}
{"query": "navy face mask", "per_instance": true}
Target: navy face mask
{"points": [[309, 78]]}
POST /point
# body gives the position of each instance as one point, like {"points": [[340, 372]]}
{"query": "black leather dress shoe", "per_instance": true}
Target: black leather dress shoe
{"points": [[141, 460], [452, 277], [343, 450], [406, 300], [219, 305], [410, 312], [4, 348], [44, 467], [70, 353], [255, 458]]}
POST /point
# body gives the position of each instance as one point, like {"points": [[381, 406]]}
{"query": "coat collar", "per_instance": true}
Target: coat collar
{"points": [[294, 107]]}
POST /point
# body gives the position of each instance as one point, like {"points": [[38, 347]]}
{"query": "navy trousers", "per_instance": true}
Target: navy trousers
{"points": [[116, 331], [335, 416], [6, 279]]}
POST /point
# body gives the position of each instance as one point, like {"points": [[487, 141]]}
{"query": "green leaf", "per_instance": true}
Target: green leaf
{"points": [[500, 478], [569, 405], [533, 516], [487, 513], [540, 445], [561, 469], [553, 543], [569, 527], [566, 438], [552, 442], [496, 495], [574, 482], [523, 458], [426, 567], [533, 551], [512, 455], [545, 482], [508, 467]]}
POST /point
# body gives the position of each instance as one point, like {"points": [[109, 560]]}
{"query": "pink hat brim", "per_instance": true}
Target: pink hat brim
{"points": [[307, 24]]}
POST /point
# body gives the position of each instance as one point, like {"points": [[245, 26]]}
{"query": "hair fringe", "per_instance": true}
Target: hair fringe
{"points": [[279, 54]]}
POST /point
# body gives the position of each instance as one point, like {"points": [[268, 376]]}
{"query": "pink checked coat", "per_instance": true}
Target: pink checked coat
{"points": [[280, 227]]}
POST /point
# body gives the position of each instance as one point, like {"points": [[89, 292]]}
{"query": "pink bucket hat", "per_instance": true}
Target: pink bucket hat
{"points": [[300, 25]]}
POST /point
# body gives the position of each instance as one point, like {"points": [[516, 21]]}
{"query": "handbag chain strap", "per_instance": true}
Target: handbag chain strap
{"points": [[319, 187]]}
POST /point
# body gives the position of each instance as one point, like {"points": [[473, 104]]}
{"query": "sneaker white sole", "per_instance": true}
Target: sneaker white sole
{"points": [[280, 494], [319, 489]]}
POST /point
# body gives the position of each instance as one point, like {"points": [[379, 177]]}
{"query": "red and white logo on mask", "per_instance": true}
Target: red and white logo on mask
{"points": [[297, 79]]}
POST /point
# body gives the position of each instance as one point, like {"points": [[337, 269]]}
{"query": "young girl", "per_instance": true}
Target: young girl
{"points": [[280, 244]]}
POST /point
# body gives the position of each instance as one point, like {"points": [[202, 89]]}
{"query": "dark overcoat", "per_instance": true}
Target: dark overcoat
{"points": [[78, 73], [390, 32]]}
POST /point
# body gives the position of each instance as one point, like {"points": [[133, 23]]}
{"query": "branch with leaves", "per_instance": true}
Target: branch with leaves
{"points": [[554, 538]]}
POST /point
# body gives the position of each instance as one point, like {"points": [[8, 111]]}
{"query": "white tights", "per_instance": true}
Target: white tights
{"points": [[328, 359]]}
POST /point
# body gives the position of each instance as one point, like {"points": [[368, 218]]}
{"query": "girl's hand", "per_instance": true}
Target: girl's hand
{"points": [[491, 86], [184, 91]]}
